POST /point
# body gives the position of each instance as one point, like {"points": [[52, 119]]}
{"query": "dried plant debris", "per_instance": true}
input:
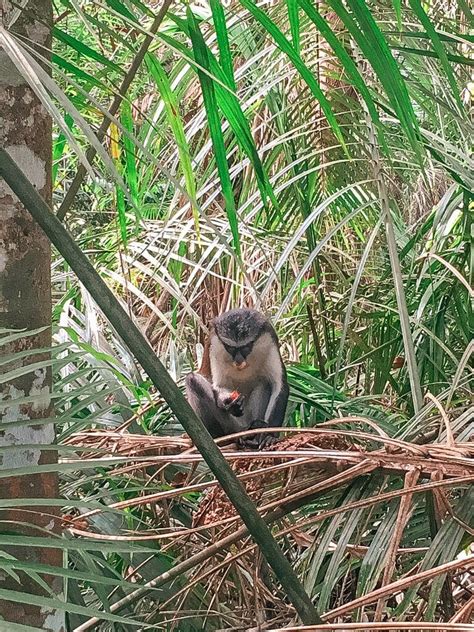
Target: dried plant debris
{"points": [[347, 505], [262, 473]]}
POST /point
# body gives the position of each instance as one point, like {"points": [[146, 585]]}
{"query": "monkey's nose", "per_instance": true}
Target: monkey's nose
{"points": [[240, 365]]}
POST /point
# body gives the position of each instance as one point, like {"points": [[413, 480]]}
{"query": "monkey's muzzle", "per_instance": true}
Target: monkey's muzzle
{"points": [[240, 365]]}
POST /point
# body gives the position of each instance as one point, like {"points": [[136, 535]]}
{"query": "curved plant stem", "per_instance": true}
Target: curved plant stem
{"points": [[408, 344]]}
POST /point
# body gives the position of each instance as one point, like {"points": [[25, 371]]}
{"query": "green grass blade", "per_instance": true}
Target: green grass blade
{"points": [[176, 124], [397, 6], [83, 50], [230, 106], [59, 145], [375, 48], [131, 174], [346, 61], [422, 52], [231, 109], [79, 73], [467, 12], [294, 20], [121, 8], [438, 46], [213, 118], [119, 195], [225, 55]]}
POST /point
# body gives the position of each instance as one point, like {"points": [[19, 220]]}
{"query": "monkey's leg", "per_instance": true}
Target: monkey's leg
{"points": [[261, 440], [202, 398], [254, 415], [200, 395], [257, 403]]}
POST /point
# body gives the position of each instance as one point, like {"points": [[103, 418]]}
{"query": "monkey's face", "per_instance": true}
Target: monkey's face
{"points": [[239, 354], [240, 344], [246, 360], [241, 358]]}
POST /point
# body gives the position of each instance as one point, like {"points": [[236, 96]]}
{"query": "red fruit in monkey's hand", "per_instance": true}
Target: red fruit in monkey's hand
{"points": [[233, 403]]}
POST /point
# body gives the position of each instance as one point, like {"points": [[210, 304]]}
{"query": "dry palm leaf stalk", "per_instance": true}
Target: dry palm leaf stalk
{"points": [[319, 454], [287, 471], [283, 478], [264, 472]]}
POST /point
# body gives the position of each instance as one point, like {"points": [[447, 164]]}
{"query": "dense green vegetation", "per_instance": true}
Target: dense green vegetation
{"points": [[313, 159]]}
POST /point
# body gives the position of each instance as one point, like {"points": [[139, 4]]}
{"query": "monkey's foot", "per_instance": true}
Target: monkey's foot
{"points": [[258, 441], [268, 439]]}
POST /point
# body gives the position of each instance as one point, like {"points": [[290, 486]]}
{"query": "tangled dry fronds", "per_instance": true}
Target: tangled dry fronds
{"points": [[317, 456], [342, 502]]}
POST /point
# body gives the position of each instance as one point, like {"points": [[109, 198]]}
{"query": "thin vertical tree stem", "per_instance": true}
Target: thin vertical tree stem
{"points": [[408, 344]]}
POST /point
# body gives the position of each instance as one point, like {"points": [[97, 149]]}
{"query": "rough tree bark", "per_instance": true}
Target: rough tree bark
{"points": [[25, 303]]}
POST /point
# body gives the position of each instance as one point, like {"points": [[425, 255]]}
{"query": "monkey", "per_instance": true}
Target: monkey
{"points": [[246, 383]]}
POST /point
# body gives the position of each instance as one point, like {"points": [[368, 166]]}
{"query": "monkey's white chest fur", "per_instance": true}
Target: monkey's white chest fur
{"points": [[263, 362]]}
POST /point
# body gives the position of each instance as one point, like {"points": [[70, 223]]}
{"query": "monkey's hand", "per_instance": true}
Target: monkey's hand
{"points": [[258, 441], [232, 402]]}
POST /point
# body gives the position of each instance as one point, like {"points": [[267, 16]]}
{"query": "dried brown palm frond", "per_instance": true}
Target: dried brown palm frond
{"points": [[334, 497]]}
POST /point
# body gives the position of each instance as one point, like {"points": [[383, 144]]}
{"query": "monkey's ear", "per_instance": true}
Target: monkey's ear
{"points": [[212, 326]]}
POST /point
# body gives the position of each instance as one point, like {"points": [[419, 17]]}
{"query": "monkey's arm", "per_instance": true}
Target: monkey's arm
{"points": [[276, 409], [272, 416], [230, 401], [215, 408]]}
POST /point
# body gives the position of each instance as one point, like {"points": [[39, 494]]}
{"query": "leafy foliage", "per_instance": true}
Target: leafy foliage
{"points": [[256, 157]]}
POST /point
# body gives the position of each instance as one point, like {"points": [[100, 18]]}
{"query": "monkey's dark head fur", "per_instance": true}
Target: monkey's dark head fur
{"points": [[239, 327]]}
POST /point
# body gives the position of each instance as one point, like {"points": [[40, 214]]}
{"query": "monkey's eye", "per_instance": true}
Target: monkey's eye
{"points": [[233, 351], [245, 350], [230, 350]]}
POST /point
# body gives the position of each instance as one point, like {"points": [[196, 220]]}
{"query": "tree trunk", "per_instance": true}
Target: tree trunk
{"points": [[25, 303]]}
